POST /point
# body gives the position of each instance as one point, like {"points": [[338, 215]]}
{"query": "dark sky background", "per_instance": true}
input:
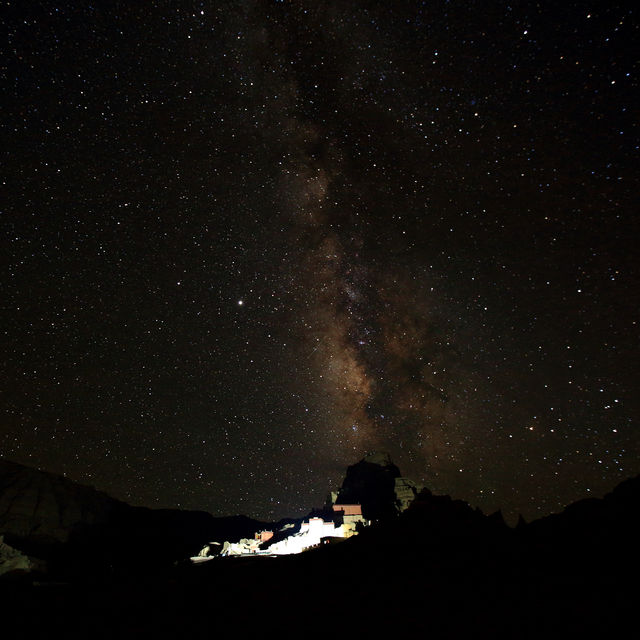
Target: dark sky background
{"points": [[244, 243]]}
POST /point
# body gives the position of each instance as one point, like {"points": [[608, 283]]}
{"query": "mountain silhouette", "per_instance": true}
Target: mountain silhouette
{"points": [[439, 569]]}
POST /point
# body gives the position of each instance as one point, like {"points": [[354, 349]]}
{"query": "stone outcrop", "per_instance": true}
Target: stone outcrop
{"points": [[406, 491], [376, 483], [13, 561]]}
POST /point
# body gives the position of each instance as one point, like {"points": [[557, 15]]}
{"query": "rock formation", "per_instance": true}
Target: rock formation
{"points": [[376, 483], [13, 561]]}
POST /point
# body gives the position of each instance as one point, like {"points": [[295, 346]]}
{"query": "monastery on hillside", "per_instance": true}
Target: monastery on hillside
{"points": [[374, 481], [313, 532]]}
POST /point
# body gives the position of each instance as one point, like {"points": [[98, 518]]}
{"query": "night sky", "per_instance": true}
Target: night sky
{"points": [[245, 243]]}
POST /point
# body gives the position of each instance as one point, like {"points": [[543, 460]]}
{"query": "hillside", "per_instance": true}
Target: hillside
{"points": [[439, 569]]}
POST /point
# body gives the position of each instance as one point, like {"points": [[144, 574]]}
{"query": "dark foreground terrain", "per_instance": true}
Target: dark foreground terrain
{"points": [[440, 570]]}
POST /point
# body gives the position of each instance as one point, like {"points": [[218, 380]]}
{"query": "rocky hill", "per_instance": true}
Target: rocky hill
{"points": [[377, 484], [439, 569], [44, 507], [53, 518]]}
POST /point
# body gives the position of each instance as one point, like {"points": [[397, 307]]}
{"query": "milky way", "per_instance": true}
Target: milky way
{"points": [[247, 243]]}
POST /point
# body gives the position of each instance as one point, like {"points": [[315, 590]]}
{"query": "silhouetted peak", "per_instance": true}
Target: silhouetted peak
{"points": [[614, 517], [496, 518], [372, 484], [432, 513], [627, 491], [380, 458]]}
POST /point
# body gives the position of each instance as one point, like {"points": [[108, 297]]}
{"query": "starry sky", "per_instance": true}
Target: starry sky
{"points": [[245, 243]]}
